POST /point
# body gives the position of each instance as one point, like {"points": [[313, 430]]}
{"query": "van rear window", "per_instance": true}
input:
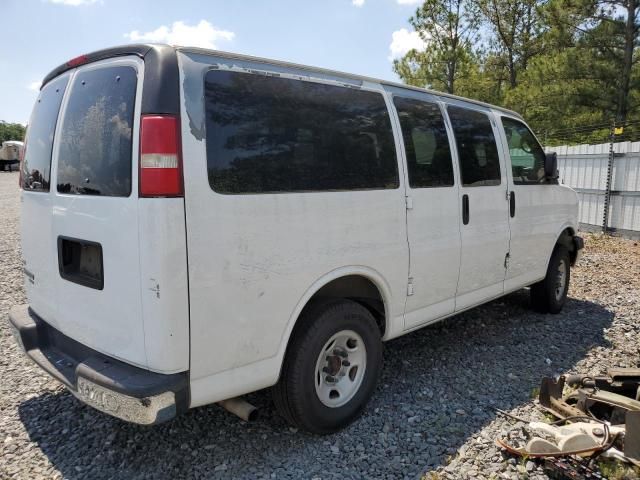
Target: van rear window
{"points": [[36, 168], [272, 134], [95, 138]]}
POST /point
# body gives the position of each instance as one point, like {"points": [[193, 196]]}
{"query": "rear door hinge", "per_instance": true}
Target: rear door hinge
{"points": [[410, 287], [508, 195], [409, 202], [506, 260]]}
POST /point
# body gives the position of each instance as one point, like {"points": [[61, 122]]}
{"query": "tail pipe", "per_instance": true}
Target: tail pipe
{"points": [[240, 407]]}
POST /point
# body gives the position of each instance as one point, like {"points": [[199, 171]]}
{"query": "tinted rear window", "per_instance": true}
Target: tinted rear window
{"points": [[95, 138], [271, 134], [42, 125]]}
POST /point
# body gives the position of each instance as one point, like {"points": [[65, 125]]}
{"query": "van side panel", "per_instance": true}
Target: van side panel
{"points": [[164, 283], [253, 257]]}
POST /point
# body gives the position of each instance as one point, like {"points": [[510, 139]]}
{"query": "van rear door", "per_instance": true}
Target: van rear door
{"points": [[96, 255]]}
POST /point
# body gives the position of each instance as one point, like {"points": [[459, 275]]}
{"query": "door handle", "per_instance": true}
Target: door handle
{"points": [[512, 204], [465, 209]]}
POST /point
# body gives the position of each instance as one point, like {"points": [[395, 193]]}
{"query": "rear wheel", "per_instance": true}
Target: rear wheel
{"points": [[550, 294], [331, 367]]}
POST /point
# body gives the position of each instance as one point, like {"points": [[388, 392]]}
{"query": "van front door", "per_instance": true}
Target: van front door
{"points": [[483, 207], [537, 209], [433, 219]]}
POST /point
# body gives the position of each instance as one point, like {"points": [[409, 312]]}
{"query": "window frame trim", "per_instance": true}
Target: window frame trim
{"points": [[373, 88]]}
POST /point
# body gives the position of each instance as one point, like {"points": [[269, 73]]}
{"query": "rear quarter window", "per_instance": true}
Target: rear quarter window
{"points": [[96, 133], [36, 168], [268, 134]]}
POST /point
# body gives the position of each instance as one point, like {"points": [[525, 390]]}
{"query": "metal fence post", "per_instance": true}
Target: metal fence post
{"points": [[607, 192]]}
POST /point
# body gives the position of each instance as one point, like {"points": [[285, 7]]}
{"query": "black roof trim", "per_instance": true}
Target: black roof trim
{"points": [[161, 93], [138, 50]]}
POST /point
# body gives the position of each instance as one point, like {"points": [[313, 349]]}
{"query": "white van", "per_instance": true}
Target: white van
{"points": [[197, 225]]}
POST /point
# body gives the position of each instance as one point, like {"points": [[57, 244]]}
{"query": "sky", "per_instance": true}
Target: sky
{"points": [[355, 36]]}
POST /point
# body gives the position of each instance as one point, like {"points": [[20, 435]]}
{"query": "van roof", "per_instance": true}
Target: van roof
{"points": [[141, 50], [337, 73]]}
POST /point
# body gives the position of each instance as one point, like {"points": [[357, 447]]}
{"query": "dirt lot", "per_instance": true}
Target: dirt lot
{"points": [[433, 411]]}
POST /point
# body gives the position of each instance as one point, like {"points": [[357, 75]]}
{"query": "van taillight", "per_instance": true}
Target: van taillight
{"points": [[160, 165]]}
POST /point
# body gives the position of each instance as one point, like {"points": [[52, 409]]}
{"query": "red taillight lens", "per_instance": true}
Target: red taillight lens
{"points": [[160, 165], [80, 60]]}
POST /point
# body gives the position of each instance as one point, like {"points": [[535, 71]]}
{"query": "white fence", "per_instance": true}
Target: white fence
{"points": [[585, 167]]}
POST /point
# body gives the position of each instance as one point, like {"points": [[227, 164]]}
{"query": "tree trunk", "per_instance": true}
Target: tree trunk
{"points": [[625, 80], [512, 71], [451, 77]]}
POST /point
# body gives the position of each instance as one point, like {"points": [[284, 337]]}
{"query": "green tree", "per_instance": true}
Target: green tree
{"points": [[588, 75], [606, 40], [11, 131], [563, 64], [449, 29], [516, 29]]}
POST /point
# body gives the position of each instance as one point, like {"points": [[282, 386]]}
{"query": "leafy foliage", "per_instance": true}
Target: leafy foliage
{"points": [[571, 67], [449, 28], [11, 131]]}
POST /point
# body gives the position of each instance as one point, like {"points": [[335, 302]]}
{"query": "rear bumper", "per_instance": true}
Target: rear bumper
{"points": [[109, 385]]}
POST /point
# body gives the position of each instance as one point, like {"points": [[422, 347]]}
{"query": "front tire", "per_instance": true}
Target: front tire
{"points": [[550, 294], [331, 367]]}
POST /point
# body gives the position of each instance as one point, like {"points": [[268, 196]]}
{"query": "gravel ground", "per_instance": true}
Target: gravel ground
{"points": [[431, 416]]}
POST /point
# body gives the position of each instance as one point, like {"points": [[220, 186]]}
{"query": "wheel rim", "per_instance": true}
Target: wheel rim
{"points": [[561, 279], [340, 368]]}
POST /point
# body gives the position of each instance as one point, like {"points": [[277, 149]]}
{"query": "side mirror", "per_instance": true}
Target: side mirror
{"points": [[551, 166]]}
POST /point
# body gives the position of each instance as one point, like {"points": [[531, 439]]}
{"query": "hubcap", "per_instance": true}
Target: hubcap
{"points": [[340, 368], [561, 279]]}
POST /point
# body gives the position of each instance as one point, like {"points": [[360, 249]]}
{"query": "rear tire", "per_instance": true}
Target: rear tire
{"points": [[331, 367], [550, 295]]}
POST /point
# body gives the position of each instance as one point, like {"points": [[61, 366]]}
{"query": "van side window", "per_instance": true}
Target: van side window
{"points": [[426, 143], [477, 150], [95, 138], [36, 168], [527, 156], [271, 134]]}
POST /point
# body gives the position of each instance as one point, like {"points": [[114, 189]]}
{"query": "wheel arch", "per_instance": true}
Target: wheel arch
{"points": [[564, 237], [343, 282]]}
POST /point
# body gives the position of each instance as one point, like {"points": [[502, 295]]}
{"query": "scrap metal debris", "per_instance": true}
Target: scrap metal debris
{"points": [[598, 416], [569, 468]]}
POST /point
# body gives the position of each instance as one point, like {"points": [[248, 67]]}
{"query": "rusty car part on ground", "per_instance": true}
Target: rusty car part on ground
{"points": [[566, 440], [624, 381], [614, 398], [599, 417], [569, 469]]}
